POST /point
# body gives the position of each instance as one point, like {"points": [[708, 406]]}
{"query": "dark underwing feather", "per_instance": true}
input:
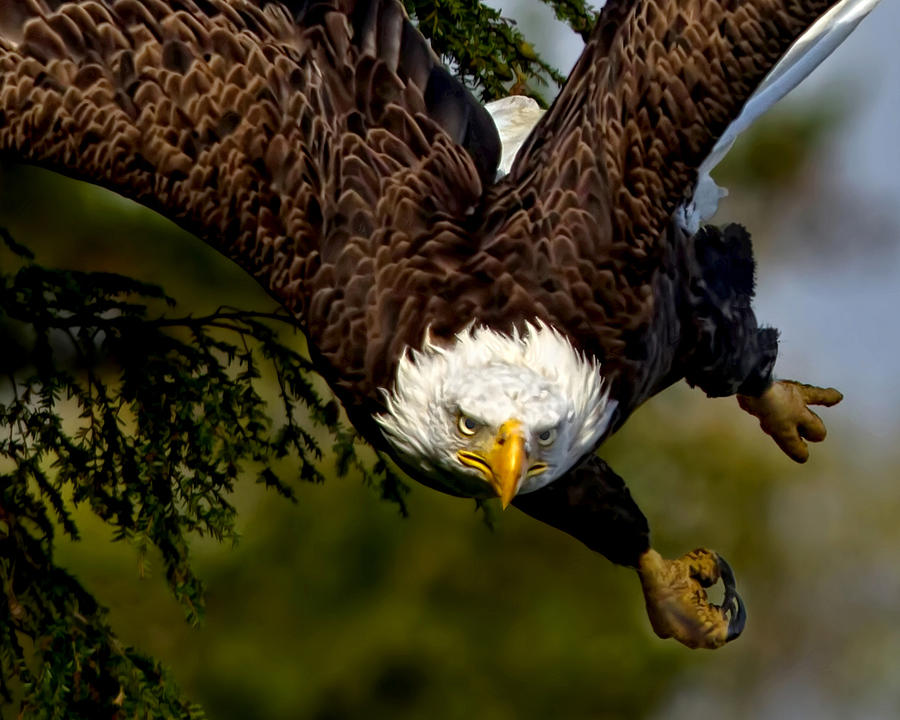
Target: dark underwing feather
{"points": [[323, 147]]}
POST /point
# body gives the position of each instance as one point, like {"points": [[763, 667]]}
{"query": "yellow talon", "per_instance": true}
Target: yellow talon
{"points": [[677, 603], [784, 414]]}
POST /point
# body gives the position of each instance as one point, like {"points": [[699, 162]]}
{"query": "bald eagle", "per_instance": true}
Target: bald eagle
{"points": [[487, 332]]}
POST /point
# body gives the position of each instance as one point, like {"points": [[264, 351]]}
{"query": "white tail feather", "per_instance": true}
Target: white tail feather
{"points": [[514, 116]]}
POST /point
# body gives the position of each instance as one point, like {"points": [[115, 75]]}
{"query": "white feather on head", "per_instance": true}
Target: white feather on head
{"points": [[535, 376]]}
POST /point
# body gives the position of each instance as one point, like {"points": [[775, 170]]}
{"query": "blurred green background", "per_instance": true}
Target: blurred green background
{"points": [[338, 608]]}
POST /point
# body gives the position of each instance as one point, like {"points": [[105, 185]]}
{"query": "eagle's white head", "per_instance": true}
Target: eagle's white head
{"points": [[495, 414]]}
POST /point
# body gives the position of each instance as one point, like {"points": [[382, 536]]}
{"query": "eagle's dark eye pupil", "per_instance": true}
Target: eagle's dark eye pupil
{"points": [[467, 426], [545, 435]]}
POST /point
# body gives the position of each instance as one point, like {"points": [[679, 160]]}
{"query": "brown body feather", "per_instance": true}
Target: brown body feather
{"points": [[323, 148]]}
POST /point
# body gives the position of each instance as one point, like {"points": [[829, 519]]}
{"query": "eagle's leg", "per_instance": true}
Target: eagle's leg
{"points": [[783, 412], [592, 504], [727, 353]]}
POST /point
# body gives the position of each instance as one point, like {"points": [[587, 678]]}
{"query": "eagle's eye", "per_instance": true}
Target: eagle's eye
{"points": [[547, 437], [467, 426]]}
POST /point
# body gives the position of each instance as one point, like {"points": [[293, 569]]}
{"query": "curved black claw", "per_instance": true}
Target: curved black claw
{"points": [[677, 603], [731, 603]]}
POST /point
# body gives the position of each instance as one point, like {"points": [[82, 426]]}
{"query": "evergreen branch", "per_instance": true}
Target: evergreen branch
{"points": [[165, 429], [577, 14], [485, 49]]}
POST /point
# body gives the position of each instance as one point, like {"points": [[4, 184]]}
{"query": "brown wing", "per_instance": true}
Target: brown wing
{"points": [[319, 145], [582, 223]]}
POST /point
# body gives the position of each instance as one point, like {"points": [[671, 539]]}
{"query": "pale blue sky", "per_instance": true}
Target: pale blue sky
{"points": [[840, 320]]}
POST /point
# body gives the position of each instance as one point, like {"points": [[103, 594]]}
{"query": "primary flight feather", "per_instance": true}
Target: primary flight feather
{"points": [[487, 333]]}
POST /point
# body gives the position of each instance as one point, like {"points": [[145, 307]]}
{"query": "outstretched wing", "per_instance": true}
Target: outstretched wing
{"points": [[583, 221], [301, 139], [517, 115]]}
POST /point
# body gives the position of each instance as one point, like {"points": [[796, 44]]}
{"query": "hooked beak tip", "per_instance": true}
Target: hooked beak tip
{"points": [[503, 465]]}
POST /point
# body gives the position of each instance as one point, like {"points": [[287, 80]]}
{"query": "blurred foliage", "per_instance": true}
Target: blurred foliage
{"points": [[778, 149]]}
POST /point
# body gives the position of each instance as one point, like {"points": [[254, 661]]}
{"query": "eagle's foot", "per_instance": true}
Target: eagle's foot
{"points": [[784, 414], [677, 603]]}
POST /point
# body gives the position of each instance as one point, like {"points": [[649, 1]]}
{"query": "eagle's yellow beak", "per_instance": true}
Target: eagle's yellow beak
{"points": [[503, 461], [507, 458]]}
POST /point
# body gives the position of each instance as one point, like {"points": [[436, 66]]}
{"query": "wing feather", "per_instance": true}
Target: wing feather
{"points": [[517, 115], [301, 139], [804, 56]]}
